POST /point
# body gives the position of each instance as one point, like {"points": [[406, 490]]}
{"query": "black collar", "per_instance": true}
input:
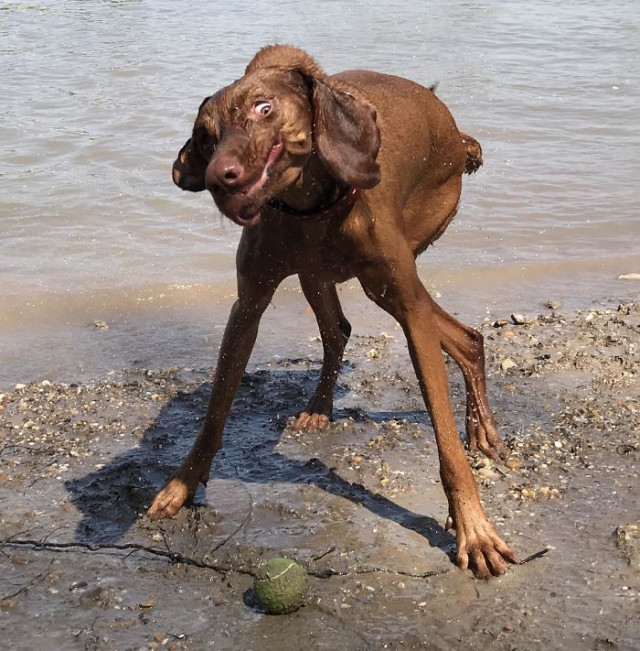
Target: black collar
{"points": [[341, 206]]}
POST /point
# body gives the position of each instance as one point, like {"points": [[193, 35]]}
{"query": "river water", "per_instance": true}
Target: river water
{"points": [[97, 98]]}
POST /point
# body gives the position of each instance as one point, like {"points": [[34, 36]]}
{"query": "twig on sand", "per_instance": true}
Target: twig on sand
{"points": [[172, 557], [319, 556], [329, 572], [177, 557], [36, 579], [533, 557]]}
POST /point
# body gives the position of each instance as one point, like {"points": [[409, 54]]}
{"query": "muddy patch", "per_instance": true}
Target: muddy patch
{"points": [[360, 505]]}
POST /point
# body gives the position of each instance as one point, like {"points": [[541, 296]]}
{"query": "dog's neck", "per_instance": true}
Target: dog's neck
{"points": [[315, 194]]}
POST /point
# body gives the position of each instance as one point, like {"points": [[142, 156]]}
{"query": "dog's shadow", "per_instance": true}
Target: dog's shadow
{"points": [[112, 498]]}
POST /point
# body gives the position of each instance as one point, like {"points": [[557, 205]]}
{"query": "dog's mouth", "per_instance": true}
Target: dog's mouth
{"points": [[244, 205]]}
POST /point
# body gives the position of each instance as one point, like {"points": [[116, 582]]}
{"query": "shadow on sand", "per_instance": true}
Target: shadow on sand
{"points": [[112, 498]]}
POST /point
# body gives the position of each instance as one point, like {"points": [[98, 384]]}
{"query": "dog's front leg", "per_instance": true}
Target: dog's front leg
{"points": [[254, 295], [393, 283]]}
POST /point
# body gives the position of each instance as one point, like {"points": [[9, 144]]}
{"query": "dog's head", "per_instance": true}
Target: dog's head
{"points": [[251, 139]]}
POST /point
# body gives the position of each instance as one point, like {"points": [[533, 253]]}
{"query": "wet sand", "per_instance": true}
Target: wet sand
{"points": [[360, 505]]}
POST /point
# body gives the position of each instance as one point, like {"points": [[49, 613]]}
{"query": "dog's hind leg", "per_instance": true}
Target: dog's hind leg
{"points": [[466, 347], [392, 281], [334, 331]]}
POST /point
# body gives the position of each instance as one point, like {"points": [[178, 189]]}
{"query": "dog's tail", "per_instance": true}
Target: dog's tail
{"points": [[474, 154]]}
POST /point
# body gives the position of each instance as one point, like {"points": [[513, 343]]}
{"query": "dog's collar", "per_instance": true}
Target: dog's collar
{"points": [[338, 206]]}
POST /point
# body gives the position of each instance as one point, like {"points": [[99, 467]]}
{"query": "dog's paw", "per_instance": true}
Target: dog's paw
{"points": [[482, 434], [176, 492], [170, 499], [310, 422], [480, 548]]}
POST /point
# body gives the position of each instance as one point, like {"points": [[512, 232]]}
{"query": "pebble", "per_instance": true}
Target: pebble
{"points": [[146, 605], [489, 473], [97, 596], [8, 604], [507, 364], [627, 541]]}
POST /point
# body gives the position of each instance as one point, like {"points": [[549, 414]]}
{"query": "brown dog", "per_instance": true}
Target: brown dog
{"points": [[332, 178]]}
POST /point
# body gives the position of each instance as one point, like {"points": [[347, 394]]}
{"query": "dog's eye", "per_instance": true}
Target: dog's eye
{"points": [[262, 108]]}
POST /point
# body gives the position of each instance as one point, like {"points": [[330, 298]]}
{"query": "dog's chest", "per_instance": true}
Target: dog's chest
{"points": [[320, 249]]}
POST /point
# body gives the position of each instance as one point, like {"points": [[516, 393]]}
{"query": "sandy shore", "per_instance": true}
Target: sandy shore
{"points": [[360, 505]]}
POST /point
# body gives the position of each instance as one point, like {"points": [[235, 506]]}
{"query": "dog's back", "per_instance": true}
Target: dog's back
{"points": [[422, 154]]}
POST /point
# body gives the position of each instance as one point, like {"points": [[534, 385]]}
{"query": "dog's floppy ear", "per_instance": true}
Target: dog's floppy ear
{"points": [[190, 166], [345, 133]]}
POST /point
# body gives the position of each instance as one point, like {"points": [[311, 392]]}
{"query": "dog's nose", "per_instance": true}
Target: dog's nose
{"points": [[225, 171]]}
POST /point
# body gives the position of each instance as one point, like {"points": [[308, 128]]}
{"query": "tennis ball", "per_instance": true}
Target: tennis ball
{"points": [[280, 586]]}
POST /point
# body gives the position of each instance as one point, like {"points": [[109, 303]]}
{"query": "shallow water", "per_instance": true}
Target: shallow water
{"points": [[99, 96]]}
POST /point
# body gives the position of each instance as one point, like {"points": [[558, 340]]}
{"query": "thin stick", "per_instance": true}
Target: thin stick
{"points": [[533, 557], [176, 557]]}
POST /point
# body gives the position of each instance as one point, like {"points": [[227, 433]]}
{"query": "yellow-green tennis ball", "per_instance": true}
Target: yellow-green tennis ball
{"points": [[280, 586]]}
